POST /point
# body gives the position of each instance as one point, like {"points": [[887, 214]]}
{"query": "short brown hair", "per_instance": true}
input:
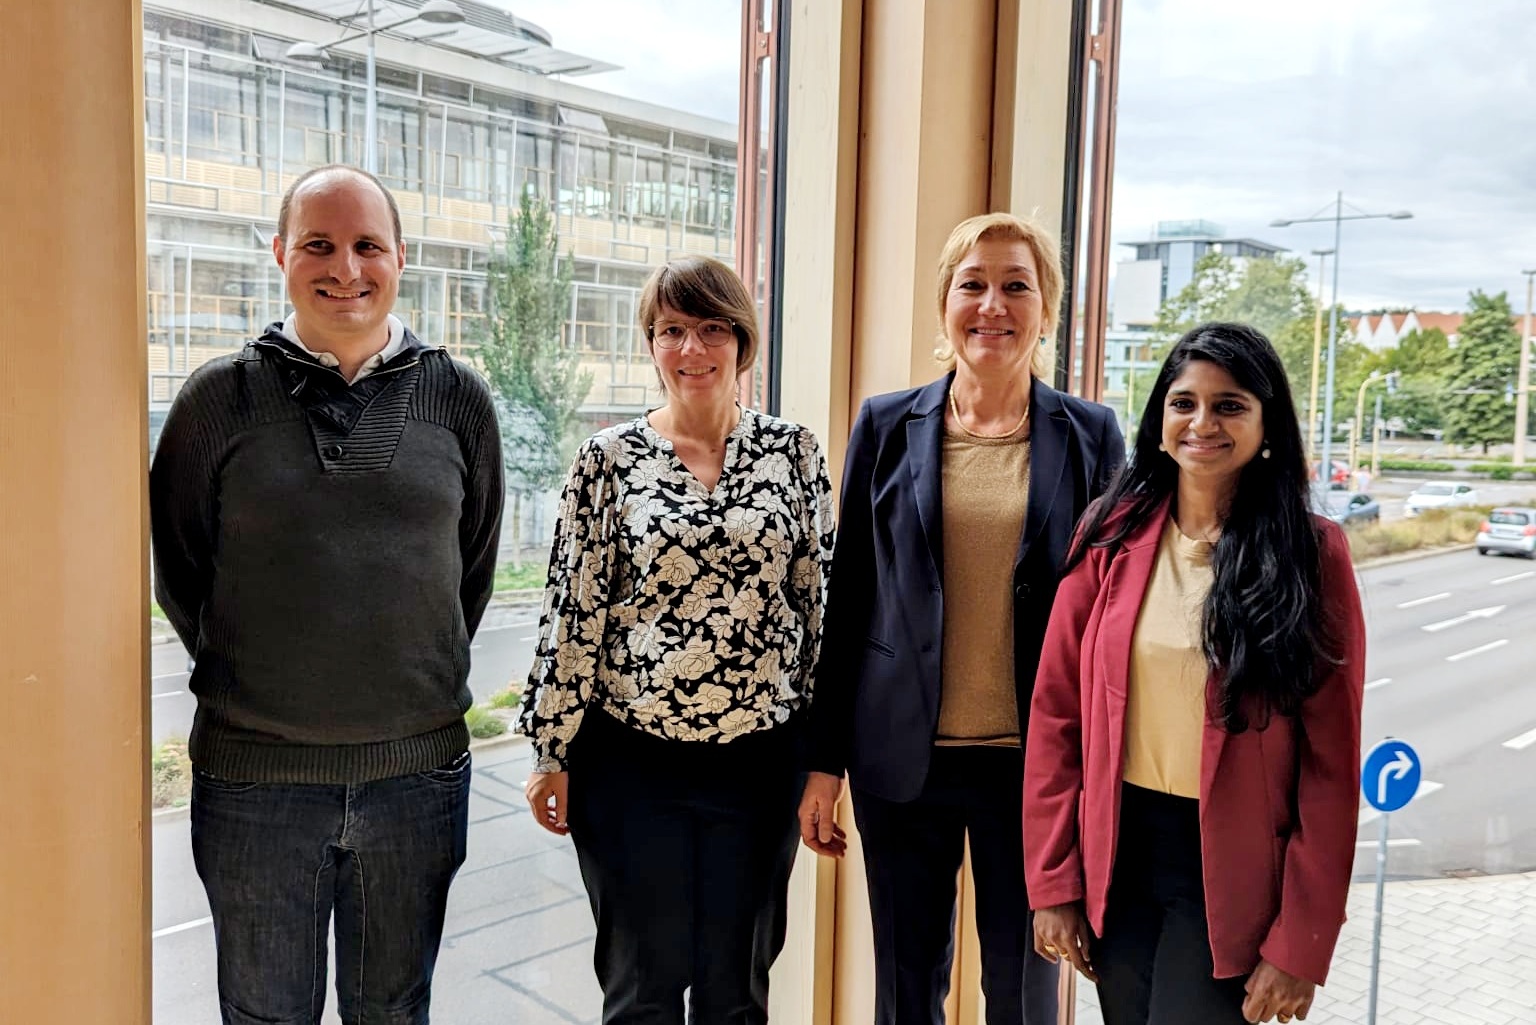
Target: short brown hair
{"points": [[1010, 228], [699, 286], [286, 206]]}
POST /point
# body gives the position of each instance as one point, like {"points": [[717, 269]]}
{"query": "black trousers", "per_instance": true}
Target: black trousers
{"points": [[685, 850], [1154, 959], [912, 856]]}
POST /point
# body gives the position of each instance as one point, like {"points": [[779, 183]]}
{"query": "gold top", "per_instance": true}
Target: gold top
{"points": [[985, 489]]}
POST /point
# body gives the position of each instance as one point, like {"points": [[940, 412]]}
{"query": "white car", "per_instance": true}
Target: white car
{"points": [[1439, 496], [1508, 530]]}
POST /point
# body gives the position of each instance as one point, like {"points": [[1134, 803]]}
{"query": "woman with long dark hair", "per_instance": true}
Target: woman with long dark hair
{"points": [[1191, 770]]}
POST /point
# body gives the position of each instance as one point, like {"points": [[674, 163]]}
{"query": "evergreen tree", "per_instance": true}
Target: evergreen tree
{"points": [[536, 377], [1482, 369]]}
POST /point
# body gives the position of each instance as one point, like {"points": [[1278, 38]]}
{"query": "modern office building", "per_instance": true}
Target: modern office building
{"points": [[470, 116], [1165, 263]]}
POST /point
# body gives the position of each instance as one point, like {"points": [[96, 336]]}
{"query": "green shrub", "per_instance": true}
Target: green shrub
{"points": [[1432, 528], [170, 774], [1416, 466], [528, 576], [1496, 471], [482, 723], [508, 697]]}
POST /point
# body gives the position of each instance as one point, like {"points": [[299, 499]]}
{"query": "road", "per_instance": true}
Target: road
{"points": [[1449, 668], [1391, 489]]}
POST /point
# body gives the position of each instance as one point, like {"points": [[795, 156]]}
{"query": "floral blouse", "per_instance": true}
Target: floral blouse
{"points": [[690, 614]]}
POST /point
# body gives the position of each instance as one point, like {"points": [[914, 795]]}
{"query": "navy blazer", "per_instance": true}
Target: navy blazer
{"points": [[876, 704]]}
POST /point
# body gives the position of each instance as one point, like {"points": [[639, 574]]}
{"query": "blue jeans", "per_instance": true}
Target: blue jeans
{"points": [[278, 858]]}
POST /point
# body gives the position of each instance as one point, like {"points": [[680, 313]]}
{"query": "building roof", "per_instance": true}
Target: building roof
{"points": [[486, 32]]}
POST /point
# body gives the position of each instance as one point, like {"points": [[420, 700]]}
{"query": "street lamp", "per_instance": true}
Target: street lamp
{"points": [[1523, 388], [1317, 353], [1354, 438], [1338, 218], [434, 12]]}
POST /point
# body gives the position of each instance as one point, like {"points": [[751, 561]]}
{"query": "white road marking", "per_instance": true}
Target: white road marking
{"points": [[1521, 742], [1476, 651], [1465, 617], [183, 927], [1406, 841], [1426, 787], [169, 676], [1423, 601], [1378, 683], [1511, 579], [530, 637], [168, 694]]}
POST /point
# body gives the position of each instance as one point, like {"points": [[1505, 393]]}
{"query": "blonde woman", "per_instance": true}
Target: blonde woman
{"points": [[958, 503], [680, 630]]}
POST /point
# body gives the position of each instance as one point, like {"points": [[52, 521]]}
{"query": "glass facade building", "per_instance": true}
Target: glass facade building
{"points": [[230, 120]]}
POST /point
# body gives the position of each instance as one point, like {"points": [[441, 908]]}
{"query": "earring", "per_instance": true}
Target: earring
{"points": [[1264, 452], [1162, 447]]}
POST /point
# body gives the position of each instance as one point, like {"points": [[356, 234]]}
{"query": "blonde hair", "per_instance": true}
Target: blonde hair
{"points": [[1047, 254], [698, 286]]}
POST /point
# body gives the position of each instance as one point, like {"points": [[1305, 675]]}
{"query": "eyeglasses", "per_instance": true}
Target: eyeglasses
{"points": [[714, 332]]}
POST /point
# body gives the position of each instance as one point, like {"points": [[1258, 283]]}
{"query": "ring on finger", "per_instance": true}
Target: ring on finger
{"points": [[1050, 949]]}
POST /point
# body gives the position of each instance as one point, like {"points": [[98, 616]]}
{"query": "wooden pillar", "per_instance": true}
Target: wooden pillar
{"points": [[74, 901], [906, 116]]}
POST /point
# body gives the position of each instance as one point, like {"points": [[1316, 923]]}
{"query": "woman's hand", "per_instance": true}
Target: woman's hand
{"points": [[817, 829], [1062, 932], [547, 794], [1273, 993]]}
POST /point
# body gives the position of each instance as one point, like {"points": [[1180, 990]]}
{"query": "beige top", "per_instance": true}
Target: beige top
{"points": [[1165, 711], [985, 488]]}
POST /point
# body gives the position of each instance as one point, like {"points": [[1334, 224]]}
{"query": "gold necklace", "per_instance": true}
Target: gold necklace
{"points": [[955, 409]]}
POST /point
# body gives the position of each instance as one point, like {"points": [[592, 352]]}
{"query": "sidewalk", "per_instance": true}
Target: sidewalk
{"points": [[1453, 952]]}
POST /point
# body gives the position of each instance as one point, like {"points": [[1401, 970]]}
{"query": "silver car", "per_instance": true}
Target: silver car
{"points": [[1511, 530]]}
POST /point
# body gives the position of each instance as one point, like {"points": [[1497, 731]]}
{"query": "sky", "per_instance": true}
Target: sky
{"points": [[1241, 113]]}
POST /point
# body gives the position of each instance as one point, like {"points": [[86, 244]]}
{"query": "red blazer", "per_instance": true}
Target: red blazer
{"points": [[1278, 807]]}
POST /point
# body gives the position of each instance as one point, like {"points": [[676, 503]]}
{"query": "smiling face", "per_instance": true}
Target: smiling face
{"points": [[1212, 427], [993, 314], [694, 372], [341, 261]]}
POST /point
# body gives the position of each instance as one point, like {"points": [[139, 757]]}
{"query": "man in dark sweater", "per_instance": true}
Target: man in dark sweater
{"points": [[325, 509]]}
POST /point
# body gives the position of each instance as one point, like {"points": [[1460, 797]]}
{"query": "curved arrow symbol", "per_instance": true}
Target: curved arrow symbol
{"points": [[1397, 768]]}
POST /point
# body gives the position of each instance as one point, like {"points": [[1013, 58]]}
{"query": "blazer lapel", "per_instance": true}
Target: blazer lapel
{"points": [[1129, 575], [925, 454], [1050, 434]]}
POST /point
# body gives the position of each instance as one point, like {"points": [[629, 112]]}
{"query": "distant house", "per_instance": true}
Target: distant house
{"points": [[1379, 331]]}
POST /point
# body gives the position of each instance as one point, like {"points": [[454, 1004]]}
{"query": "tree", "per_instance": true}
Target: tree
{"points": [[1422, 363], [535, 376], [1270, 295], [1483, 367]]}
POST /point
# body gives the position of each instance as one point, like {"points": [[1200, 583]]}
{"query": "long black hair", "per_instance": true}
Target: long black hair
{"points": [[1262, 628]]}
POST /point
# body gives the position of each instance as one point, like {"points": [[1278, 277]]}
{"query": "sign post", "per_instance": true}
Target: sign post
{"points": [[1389, 780]]}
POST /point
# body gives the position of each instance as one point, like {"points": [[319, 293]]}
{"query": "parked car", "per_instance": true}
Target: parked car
{"points": [[1510, 530], [1338, 478], [1347, 508], [1439, 496]]}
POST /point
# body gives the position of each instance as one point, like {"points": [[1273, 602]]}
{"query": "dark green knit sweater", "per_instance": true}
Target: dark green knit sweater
{"points": [[325, 553]]}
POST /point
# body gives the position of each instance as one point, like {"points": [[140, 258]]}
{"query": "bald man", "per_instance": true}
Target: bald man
{"points": [[325, 510]]}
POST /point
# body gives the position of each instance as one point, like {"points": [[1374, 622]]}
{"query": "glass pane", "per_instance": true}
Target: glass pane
{"points": [[1400, 256], [636, 162]]}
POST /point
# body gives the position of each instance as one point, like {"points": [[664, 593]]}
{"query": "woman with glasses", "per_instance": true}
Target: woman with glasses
{"points": [[681, 625], [958, 501], [1191, 779]]}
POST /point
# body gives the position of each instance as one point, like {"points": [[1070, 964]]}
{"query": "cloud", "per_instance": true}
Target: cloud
{"points": [[683, 54], [1244, 113]]}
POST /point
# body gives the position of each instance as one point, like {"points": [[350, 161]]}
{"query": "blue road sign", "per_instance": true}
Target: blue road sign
{"points": [[1391, 775]]}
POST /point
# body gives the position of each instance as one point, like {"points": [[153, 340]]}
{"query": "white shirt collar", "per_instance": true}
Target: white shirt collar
{"points": [[391, 349]]}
